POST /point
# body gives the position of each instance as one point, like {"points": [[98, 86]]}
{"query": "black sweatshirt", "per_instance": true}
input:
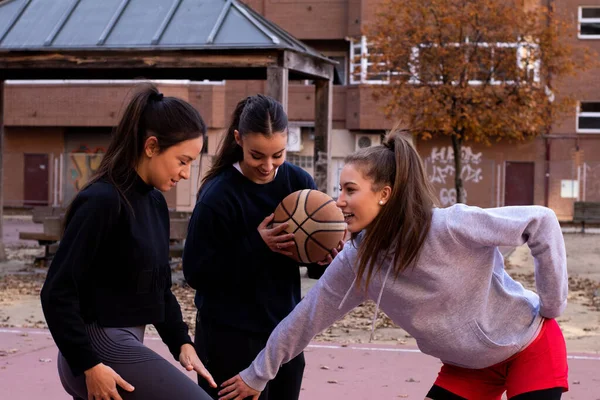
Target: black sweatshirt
{"points": [[112, 267], [240, 282]]}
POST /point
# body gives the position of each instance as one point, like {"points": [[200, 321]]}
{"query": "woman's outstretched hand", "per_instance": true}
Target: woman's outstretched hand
{"points": [[236, 389], [273, 237], [191, 362]]}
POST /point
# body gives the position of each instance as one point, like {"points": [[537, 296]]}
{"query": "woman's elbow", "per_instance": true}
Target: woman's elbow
{"points": [[190, 275], [46, 296]]}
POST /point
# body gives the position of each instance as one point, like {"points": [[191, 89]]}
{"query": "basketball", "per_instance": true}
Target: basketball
{"points": [[316, 222]]}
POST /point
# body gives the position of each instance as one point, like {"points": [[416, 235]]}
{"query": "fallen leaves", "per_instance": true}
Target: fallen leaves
{"points": [[360, 319], [5, 353], [185, 296], [583, 289], [18, 287]]}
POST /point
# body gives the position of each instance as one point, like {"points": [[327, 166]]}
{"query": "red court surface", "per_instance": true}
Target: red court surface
{"points": [[353, 372]]}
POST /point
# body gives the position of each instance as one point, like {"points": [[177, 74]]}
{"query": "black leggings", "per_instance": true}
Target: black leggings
{"points": [[153, 377], [438, 393], [225, 351]]}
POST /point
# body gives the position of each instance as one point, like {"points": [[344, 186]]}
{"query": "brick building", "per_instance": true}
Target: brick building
{"points": [[54, 129]]}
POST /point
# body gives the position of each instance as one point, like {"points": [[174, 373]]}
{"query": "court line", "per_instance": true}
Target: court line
{"points": [[310, 346]]}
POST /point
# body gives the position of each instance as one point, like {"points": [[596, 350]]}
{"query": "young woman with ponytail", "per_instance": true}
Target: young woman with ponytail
{"points": [[110, 276], [438, 274], [245, 283]]}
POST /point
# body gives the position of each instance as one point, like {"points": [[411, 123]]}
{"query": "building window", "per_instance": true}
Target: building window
{"points": [[588, 117], [420, 67], [341, 69], [589, 22], [362, 66], [300, 161]]}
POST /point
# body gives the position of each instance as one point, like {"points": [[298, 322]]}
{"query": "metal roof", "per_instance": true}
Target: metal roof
{"points": [[55, 25]]}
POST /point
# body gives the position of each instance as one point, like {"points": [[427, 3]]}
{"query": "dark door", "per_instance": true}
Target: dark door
{"points": [[519, 183], [36, 180]]}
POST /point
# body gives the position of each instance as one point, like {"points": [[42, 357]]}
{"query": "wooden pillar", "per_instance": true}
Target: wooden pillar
{"points": [[277, 85], [323, 116], [2, 250]]}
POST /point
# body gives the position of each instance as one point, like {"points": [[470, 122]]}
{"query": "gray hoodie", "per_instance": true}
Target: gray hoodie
{"points": [[456, 301]]}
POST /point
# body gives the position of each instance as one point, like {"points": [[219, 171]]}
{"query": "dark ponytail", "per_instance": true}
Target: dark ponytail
{"points": [[148, 113], [254, 114]]}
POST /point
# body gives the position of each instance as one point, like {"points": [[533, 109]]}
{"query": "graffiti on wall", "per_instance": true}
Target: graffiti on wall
{"points": [[441, 165], [83, 164]]}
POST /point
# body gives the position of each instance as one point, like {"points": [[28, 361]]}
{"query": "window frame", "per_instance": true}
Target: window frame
{"points": [[581, 20], [579, 114], [522, 49]]}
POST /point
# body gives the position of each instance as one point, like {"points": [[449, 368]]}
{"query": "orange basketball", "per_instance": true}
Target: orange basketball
{"points": [[316, 222]]}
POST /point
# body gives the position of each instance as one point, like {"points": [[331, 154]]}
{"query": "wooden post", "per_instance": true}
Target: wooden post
{"points": [[2, 250], [277, 85], [323, 116]]}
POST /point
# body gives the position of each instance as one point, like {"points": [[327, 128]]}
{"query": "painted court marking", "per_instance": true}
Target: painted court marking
{"points": [[312, 346]]}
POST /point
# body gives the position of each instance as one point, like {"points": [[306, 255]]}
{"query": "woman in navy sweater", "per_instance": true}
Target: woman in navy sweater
{"points": [[245, 283], [110, 276]]}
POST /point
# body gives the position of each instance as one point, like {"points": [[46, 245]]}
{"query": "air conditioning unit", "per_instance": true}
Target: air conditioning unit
{"points": [[294, 140], [367, 140]]}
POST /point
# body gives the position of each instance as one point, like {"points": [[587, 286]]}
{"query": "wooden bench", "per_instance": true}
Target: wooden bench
{"points": [[49, 241], [39, 213], [53, 232], [42, 212], [586, 212], [49, 238], [179, 215]]}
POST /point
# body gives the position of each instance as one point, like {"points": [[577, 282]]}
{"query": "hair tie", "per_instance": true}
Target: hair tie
{"points": [[157, 96], [389, 145]]}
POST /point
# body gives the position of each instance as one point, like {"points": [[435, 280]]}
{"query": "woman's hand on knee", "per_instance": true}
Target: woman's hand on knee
{"points": [[191, 362], [101, 381], [236, 389]]}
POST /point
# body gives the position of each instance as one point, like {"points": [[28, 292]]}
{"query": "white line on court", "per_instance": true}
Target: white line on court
{"points": [[321, 346], [312, 346], [383, 349]]}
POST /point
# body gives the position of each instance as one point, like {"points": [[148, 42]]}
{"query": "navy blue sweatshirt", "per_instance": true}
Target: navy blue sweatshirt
{"points": [[112, 267], [240, 282]]}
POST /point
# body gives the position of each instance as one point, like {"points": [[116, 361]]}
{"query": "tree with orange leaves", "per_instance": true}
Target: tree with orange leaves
{"points": [[472, 70]]}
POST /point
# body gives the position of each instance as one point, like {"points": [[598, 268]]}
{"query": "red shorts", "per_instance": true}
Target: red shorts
{"points": [[541, 365]]}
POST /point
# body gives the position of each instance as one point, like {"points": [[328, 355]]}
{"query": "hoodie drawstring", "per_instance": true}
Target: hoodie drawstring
{"points": [[379, 302], [387, 274]]}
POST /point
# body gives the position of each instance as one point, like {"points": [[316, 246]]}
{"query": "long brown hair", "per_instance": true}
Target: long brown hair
{"points": [[254, 114], [148, 113], [403, 223]]}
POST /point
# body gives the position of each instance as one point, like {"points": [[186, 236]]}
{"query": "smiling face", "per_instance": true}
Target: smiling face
{"points": [[359, 200], [262, 155], [165, 168]]}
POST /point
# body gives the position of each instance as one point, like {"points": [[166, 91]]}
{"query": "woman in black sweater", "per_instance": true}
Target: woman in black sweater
{"points": [[245, 283], [110, 276]]}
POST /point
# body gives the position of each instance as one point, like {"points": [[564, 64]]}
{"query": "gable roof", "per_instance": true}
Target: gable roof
{"points": [[39, 25]]}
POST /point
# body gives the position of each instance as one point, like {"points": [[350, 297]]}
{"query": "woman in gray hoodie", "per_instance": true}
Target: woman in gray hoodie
{"points": [[438, 274]]}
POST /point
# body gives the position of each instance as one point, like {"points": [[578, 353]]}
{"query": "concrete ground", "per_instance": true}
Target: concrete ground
{"points": [[353, 372]]}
